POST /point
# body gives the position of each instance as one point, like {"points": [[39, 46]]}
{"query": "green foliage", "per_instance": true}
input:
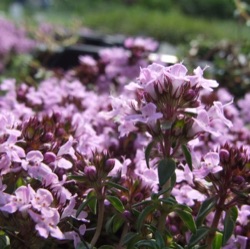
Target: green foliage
{"points": [[206, 207], [116, 203], [217, 243], [229, 223], [166, 169], [4, 241], [212, 8], [187, 155], [162, 5], [198, 236], [187, 219]]}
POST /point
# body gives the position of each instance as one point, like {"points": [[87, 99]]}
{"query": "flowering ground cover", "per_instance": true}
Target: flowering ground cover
{"points": [[120, 152]]}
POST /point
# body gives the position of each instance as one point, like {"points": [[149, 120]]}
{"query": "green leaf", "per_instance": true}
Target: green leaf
{"points": [[92, 201], [217, 242], [198, 236], [118, 221], [173, 180], [183, 207], [187, 218], [130, 238], [117, 186], [4, 242], [147, 152], [116, 203], [206, 207], [188, 156], [141, 203], [229, 224], [83, 205], [106, 247], [166, 169], [146, 211], [83, 245], [159, 239], [20, 182], [147, 244], [77, 178], [169, 200]]}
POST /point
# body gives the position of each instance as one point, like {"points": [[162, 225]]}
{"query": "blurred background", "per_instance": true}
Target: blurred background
{"points": [[175, 21], [197, 32]]}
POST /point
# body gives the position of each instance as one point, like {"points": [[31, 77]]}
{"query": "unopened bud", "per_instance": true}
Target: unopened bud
{"points": [[30, 132], [49, 157], [90, 172], [138, 197], [189, 95], [109, 165], [224, 156], [238, 180], [48, 137], [127, 214], [124, 200]]}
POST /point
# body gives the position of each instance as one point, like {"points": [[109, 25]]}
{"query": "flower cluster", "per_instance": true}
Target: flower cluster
{"points": [[13, 40], [164, 164]]}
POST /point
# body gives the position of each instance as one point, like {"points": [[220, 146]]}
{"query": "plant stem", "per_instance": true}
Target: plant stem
{"points": [[162, 221], [99, 221], [217, 215], [124, 232]]}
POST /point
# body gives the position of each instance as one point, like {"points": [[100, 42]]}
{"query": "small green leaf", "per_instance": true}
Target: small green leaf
{"points": [[141, 203], [118, 221], [19, 182], [166, 169], [173, 180], [92, 202], [159, 239], [146, 211], [183, 207], [77, 178], [84, 204], [106, 247], [169, 200], [229, 223], [116, 203], [187, 218], [198, 236], [147, 244], [148, 151], [217, 242], [117, 186], [83, 245], [187, 156], [130, 238], [206, 207], [4, 242]]}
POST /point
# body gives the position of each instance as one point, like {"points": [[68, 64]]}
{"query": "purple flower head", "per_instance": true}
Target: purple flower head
{"points": [[187, 195], [148, 115], [87, 60], [200, 81], [210, 164], [20, 201], [36, 168], [47, 225], [14, 152], [41, 201], [145, 44]]}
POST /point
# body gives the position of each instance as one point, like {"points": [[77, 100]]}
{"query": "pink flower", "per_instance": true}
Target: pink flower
{"points": [[210, 164], [148, 115], [47, 225], [198, 79], [20, 201]]}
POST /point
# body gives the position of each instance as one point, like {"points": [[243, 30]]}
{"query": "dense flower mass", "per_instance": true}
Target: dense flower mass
{"points": [[123, 153]]}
